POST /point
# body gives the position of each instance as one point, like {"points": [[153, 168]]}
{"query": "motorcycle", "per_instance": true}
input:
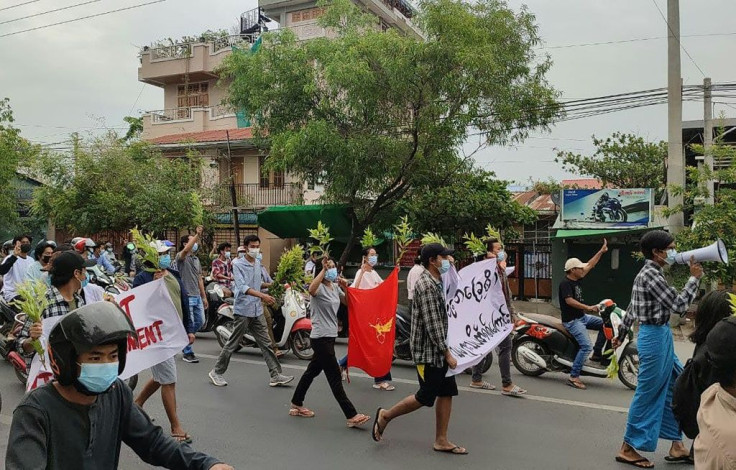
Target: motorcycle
{"points": [[542, 344], [610, 210], [291, 327], [104, 280], [215, 299]]}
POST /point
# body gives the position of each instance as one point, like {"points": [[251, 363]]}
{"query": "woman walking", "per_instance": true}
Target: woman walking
{"points": [[326, 298]]}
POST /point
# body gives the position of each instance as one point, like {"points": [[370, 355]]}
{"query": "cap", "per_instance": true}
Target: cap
{"points": [[66, 262], [720, 341], [168, 243], [573, 263], [434, 250], [160, 246]]}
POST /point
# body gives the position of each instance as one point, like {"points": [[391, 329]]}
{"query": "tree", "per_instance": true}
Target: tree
{"points": [[622, 160], [108, 185], [374, 113]]}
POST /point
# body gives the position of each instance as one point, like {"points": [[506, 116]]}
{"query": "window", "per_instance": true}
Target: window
{"points": [[269, 179], [193, 95], [307, 15]]}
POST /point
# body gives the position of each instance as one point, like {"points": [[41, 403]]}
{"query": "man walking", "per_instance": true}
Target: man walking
{"points": [[574, 318], [190, 270], [430, 352], [15, 266], [250, 318]]}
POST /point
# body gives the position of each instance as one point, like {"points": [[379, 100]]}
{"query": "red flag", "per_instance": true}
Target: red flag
{"points": [[372, 320]]}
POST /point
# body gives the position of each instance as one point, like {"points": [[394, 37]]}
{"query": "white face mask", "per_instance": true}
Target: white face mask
{"points": [[253, 252]]}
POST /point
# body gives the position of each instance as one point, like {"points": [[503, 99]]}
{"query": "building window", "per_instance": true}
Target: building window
{"points": [[269, 179], [307, 15], [193, 95]]}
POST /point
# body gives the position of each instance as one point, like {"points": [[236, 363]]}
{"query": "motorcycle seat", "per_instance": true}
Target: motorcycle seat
{"points": [[550, 321]]}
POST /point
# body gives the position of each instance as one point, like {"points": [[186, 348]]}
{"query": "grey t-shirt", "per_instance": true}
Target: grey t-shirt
{"points": [[52, 433], [324, 307], [190, 271]]}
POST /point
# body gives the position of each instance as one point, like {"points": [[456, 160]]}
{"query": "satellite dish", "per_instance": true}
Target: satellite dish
{"points": [[555, 198]]}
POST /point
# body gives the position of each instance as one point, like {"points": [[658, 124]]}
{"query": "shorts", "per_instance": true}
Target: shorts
{"points": [[433, 384], [165, 372]]}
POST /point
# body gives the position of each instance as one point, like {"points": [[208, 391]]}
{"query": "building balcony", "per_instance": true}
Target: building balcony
{"points": [[187, 120], [255, 195]]}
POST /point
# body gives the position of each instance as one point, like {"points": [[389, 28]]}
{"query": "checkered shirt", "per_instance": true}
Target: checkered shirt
{"points": [[428, 322], [57, 307]]}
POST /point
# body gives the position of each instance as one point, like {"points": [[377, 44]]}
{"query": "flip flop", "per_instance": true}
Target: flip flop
{"points": [[483, 386], [680, 459], [385, 386], [359, 422], [301, 413], [377, 433], [516, 391], [634, 463], [578, 385], [457, 450], [182, 438]]}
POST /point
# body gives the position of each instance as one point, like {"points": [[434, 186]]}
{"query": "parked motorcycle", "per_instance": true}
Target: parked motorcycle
{"points": [[542, 344], [102, 279], [291, 327]]}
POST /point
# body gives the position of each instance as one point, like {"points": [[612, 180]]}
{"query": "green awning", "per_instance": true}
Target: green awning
{"points": [[582, 233], [295, 221]]}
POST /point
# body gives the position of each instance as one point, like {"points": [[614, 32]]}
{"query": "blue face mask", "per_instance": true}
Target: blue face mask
{"points": [[373, 260], [331, 274], [501, 256], [241, 255], [97, 378], [445, 266], [195, 248], [85, 281], [228, 255], [259, 257], [164, 262], [671, 254]]}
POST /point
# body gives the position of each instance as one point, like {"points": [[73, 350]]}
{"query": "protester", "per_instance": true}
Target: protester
{"points": [[188, 266], [430, 352], [412, 278], [368, 278], [43, 253], [715, 446], [327, 295], [80, 419], [15, 266], [164, 374], [574, 318], [653, 301], [128, 255], [503, 351], [96, 253], [310, 267], [250, 318], [222, 270]]}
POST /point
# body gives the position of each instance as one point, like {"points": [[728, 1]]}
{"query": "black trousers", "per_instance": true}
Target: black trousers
{"points": [[324, 360]]}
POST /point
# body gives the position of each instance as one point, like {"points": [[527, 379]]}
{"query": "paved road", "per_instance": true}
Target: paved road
{"points": [[247, 425]]}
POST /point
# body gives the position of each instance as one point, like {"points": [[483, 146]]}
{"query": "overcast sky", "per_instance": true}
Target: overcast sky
{"points": [[83, 75]]}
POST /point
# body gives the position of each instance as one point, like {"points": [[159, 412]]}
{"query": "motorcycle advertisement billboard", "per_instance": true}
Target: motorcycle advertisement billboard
{"points": [[609, 208]]}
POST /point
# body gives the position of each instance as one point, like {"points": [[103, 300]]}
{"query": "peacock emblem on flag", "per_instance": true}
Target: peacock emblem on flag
{"points": [[382, 329]]}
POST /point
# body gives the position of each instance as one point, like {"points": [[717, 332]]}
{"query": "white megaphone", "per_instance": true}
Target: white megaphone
{"points": [[715, 252]]}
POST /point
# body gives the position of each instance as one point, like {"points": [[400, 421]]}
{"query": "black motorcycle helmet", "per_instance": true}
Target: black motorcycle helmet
{"points": [[77, 332]]}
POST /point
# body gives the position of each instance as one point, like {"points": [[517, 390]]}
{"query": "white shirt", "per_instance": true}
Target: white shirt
{"points": [[15, 276], [93, 293], [309, 268], [412, 278], [369, 280]]}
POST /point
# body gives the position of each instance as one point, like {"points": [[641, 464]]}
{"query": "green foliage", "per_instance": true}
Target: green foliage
{"points": [[492, 232], [109, 185], [143, 244], [375, 114], [32, 301], [14, 152], [135, 128], [430, 237], [732, 302], [476, 245], [289, 271], [205, 37], [321, 235], [550, 186], [403, 235], [622, 160], [369, 238]]}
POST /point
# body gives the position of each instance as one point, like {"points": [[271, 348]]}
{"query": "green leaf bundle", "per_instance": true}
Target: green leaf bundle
{"points": [[403, 235], [321, 235], [476, 245], [150, 254], [369, 239], [289, 271], [32, 301]]}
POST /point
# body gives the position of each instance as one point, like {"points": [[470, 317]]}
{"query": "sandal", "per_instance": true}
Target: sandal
{"points": [[457, 450], [301, 412], [385, 386], [377, 433], [182, 438], [279, 354], [483, 386], [358, 420], [576, 384], [516, 391], [635, 463]]}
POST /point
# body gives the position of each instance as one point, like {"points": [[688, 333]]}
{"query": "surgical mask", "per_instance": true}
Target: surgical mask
{"points": [[97, 378], [331, 274], [25, 248], [109, 250], [241, 255], [253, 252], [671, 253], [373, 260], [501, 256], [85, 281], [195, 247], [445, 266], [228, 254], [164, 262], [259, 257]]}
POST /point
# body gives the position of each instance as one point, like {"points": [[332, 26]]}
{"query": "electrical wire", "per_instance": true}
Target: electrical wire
{"points": [[81, 18], [47, 12], [677, 38], [624, 41], [18, 5]]}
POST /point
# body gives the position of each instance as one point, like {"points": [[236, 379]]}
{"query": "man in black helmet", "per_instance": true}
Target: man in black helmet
{"points": [[80, 419]]}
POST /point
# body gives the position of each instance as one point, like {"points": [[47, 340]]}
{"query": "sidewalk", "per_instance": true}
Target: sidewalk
{"points": [[546, 308]]}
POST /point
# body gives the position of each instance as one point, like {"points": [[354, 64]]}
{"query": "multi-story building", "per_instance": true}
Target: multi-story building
{"points": [[194, 117]]}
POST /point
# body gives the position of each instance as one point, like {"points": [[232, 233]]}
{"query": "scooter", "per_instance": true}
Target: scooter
{"points": [[215, 299], [291, 327], [104, 280], [542, 344]]}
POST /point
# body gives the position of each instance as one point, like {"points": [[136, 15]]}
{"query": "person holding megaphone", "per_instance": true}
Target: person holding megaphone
{"points": [[653, 300]]}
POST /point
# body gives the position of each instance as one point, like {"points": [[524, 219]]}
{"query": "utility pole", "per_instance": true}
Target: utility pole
{"points": [[675, 157], [708, 137], [233, 195]]}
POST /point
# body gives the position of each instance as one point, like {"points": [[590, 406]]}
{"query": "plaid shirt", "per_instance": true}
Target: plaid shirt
{"points": [[653, 299], [57, 307], [428, 322], [222, 268]]}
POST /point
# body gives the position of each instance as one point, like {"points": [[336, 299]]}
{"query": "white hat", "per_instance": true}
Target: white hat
{"points": [[160, 246], [573, 263]]}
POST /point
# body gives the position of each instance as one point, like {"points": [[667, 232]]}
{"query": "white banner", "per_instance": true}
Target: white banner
{"points": [[478, 318], [159, 330]]}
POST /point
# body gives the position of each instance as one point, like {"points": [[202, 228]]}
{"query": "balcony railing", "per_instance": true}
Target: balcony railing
{"points": [[254, 195], [165, 116]]}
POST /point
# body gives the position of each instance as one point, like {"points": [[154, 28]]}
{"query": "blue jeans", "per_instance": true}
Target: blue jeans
{"points": [[196, 318], [578, 328], [386, 378]]}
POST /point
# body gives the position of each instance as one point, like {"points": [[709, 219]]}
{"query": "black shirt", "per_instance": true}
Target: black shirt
{"points": [[570, 288]]}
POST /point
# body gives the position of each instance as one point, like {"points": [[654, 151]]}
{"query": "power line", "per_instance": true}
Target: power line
{"points": [[18, 5], [50, 11], [677, 38], [624, 41], [82, 18], [136, 100]]}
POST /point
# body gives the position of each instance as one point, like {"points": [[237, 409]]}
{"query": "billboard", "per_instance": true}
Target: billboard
{"points": [[607, 208]]}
